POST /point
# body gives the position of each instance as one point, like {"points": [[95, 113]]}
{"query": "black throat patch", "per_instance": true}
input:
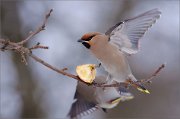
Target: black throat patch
{"points": [[87, 45]]}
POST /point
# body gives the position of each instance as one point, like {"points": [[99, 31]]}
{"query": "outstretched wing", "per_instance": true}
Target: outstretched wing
{"points": [[126, 34], [81, 107]]}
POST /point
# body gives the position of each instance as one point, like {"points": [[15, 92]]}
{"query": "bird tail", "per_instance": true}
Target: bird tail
{"points": [[141, 88], [138, 86]]}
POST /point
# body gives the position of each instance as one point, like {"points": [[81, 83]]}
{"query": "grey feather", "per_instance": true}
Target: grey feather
{"points": [[125, 35], [124, 94], [81, 107]]}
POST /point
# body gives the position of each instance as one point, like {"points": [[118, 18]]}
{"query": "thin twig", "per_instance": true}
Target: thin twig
{"points": [[148, 80], [23, 58], [111, 85], [42, 27], [37, 46]]}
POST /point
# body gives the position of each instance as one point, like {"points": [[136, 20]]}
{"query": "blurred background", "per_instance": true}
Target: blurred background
{"points": [[35, 91]]}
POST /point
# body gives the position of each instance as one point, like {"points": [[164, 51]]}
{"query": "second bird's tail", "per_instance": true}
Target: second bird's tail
{"points": [[138, 86]]}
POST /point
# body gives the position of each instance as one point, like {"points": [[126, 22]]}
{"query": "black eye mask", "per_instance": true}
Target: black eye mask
{"points": [[89, 38], [87, 45]]}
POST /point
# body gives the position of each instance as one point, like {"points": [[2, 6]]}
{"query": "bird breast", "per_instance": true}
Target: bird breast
{"points": [[113, 60]]}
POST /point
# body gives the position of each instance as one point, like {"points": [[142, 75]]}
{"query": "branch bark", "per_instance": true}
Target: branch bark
{"points": [[54, 68]]}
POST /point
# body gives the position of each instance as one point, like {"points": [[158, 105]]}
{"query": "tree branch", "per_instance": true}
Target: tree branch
{"points": [[42, 27], [53, 68], [130, 82], [148, 80], [24, 51]]}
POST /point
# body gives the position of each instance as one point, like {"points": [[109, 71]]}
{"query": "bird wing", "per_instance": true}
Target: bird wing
{"points": [[126, 34], [81, 107]]}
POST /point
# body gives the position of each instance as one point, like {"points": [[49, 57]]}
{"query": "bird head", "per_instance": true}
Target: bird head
{"points": [[87, 39]]}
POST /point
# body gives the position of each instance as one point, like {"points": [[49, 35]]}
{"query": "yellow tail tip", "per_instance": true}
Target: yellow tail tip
{"points": [[143, 90], [146, 91]]}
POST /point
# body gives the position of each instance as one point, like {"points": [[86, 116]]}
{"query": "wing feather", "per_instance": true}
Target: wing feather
{"points": [[125, 35], [81, 107]]}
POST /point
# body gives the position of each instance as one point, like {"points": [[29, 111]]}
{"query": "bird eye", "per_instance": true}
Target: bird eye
{"points": [[87, 45]]}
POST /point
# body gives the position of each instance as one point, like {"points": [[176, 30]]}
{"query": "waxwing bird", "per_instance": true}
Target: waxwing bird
{"points": [[90, 98], [123, 38]]}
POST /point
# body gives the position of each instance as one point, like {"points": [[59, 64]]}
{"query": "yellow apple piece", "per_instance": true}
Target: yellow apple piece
{"points": [[86, 72]]}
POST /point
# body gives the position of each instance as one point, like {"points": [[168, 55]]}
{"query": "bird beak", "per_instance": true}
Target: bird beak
{"points": [[85, 43], [80, 41]]}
